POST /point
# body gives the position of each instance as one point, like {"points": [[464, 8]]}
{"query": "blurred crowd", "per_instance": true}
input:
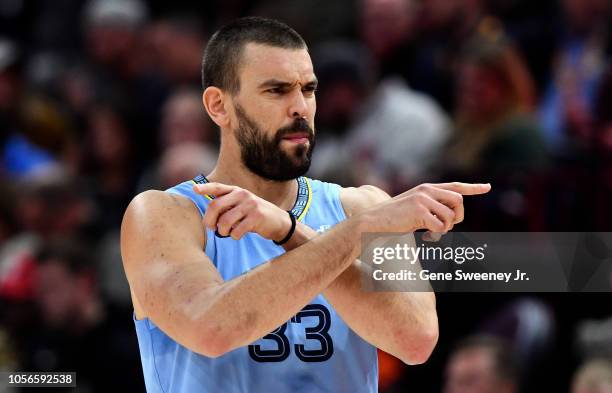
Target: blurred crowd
{"points": [[101, 99]]}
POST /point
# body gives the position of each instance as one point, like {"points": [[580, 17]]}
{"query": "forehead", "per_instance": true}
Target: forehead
{"points": [[263, 62]]}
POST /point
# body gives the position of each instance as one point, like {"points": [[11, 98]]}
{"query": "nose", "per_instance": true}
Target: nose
{"points": [[298, 107]]}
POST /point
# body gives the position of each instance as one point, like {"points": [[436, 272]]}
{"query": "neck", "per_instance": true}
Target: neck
{"points": [[231, 170]]}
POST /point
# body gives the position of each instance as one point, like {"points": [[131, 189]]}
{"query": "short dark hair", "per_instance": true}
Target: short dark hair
{"points": [[223, 53]]}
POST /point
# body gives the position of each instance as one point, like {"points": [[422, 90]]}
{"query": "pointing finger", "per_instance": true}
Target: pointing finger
{"points": [[466, 188]]}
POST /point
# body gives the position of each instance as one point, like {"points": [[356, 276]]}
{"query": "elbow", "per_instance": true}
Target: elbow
{"points": [[421, 352], [212, 350], [212, 342], [417, 348]]}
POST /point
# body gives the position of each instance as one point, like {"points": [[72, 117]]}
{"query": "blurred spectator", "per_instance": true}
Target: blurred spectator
{"points": [[482, 364], [385, 134], [22, 158], [452, 19], [77, 90], [594, 337], [397, 136], [496, 138], [111, 30], [188, 141], [120, 66], [184, 120], [40, 139], [344, 70], [65, 286], [53, 204], [109, 163], [388, 29], [527, 324], [534, 27], [50, 204], [177, 44], [185, 161], [18, 155], [179, 163], [495, 132], [77, 331], [566, 110], [444, 28], [48, 127], [331, 18], [594, 376]]}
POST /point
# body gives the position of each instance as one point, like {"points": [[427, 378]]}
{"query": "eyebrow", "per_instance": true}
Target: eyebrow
{"points": [[275, 83]]}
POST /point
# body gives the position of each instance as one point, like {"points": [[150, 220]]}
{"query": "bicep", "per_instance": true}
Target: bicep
{"points": [[162, 243]]}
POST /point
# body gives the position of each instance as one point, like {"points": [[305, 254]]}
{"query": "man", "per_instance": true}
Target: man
{"points": [[255, 299], [482, 364]]}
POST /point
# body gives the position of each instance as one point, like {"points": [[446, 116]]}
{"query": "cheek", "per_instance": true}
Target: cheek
{"points": [[313, 107], [265, 113]]}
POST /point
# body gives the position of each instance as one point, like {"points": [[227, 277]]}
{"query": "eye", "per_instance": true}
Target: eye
{"points": [[309, 90], [276, 90]]}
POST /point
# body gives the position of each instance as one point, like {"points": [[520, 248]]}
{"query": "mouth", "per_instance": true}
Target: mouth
{"points": [[301, 137]]}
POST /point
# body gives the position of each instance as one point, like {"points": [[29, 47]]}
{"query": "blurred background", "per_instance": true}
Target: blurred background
{"points": [[100, 100]]}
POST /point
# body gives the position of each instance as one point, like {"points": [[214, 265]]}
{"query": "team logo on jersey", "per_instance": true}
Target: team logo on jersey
{"points": [[323, 228]]}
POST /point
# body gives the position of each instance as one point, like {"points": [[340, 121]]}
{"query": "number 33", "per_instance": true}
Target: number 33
{"points": [[318, 333]]}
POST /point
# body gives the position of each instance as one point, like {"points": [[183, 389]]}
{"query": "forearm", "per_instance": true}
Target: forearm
{"points": [[248, 307], [403, 324]]}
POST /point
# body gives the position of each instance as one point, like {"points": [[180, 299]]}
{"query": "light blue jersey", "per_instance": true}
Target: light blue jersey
{"points": [[315, 351]]}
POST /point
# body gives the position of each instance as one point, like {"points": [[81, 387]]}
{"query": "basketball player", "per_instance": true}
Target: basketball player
{"points": [[247, 280]]}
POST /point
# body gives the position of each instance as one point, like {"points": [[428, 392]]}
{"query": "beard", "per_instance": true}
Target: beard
{"points": [[264, 156]]}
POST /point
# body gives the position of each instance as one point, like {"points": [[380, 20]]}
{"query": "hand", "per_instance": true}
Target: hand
{"points": [[236, 211], [435, 207]]}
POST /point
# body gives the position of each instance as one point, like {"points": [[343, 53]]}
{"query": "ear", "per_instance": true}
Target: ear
{"points": [[214, 99]]}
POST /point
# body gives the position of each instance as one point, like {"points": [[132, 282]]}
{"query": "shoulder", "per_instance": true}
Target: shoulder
{"points": [[157, 204], [152, 216], [356, 199]]}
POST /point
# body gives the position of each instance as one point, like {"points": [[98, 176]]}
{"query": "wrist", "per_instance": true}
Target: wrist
{"points": [[289, 228], [283, 227], [365, 222]]}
